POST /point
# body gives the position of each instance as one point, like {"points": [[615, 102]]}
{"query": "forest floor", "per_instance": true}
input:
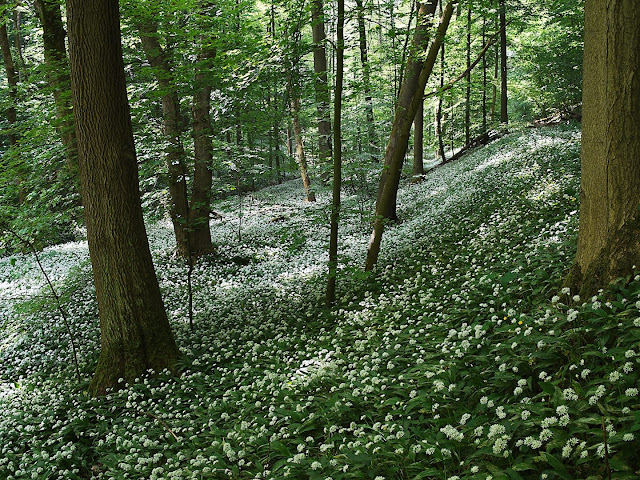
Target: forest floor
{"points": [[460, 358]]}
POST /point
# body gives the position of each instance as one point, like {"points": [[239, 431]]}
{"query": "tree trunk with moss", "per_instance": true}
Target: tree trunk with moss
{"points": [[135, 335], [609, 234]]}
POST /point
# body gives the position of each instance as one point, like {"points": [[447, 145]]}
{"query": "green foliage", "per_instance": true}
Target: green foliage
{"points": [[460, 358]]}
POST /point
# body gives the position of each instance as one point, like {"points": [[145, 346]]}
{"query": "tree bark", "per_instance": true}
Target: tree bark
{"points": [[418, 143], [410, 96], [366, 80], [55, 57], [467, 106], [12, 112], [484, 77], [337, 160], [135, 332], [439, 133], [407, 105], [321, 83], [12, 82], [609, 232], [172, 128], [17, 42], [293, 91], [504, 115], [299, 154], [199, 231]]}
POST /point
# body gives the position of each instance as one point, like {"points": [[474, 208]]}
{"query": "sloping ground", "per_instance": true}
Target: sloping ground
{"points": [[453, 362]]}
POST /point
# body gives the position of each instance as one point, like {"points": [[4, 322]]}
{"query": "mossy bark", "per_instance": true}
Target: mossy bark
{"points": [[135, 335], [609, 234]]}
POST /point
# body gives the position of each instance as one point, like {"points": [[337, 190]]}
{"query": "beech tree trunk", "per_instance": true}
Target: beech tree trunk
{"points": [[411, 93], [17, 42], [55, 57], [321, 83], [467, 105], [299, 154], [418, 143], [172, 128], [293, 92], [12, 82], [609, 233], [504, 115], [12, 112], [439, 133], [366, 80], [135, 333], [199, 231], [484, 77], [337, 160]]}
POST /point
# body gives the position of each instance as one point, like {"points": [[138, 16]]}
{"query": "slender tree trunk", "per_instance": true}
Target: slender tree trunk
{"points": [[200, 207], [290, 151], [55, 56], [321, 83], [17, 42], [418, 72], [609, 233], [135, 333], [418, 143], [337, 160], [467, 109], [504, 116], [439, 133], [12, 82], [484, 77], [172, 129], [293, 91], [300, 155], [278, 153], [366, 80], [407, 105], [12, 112]]}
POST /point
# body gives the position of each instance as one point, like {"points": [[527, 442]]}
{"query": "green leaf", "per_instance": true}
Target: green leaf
{"points": [[557, 465]]}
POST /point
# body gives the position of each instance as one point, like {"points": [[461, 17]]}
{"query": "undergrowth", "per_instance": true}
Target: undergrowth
{"points": [[460, 358]]}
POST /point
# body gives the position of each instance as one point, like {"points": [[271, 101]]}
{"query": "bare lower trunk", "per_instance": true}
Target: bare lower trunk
{"points": [[608, 239], [199, 230], [135, 335], [300, 156], [337, 161]]}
